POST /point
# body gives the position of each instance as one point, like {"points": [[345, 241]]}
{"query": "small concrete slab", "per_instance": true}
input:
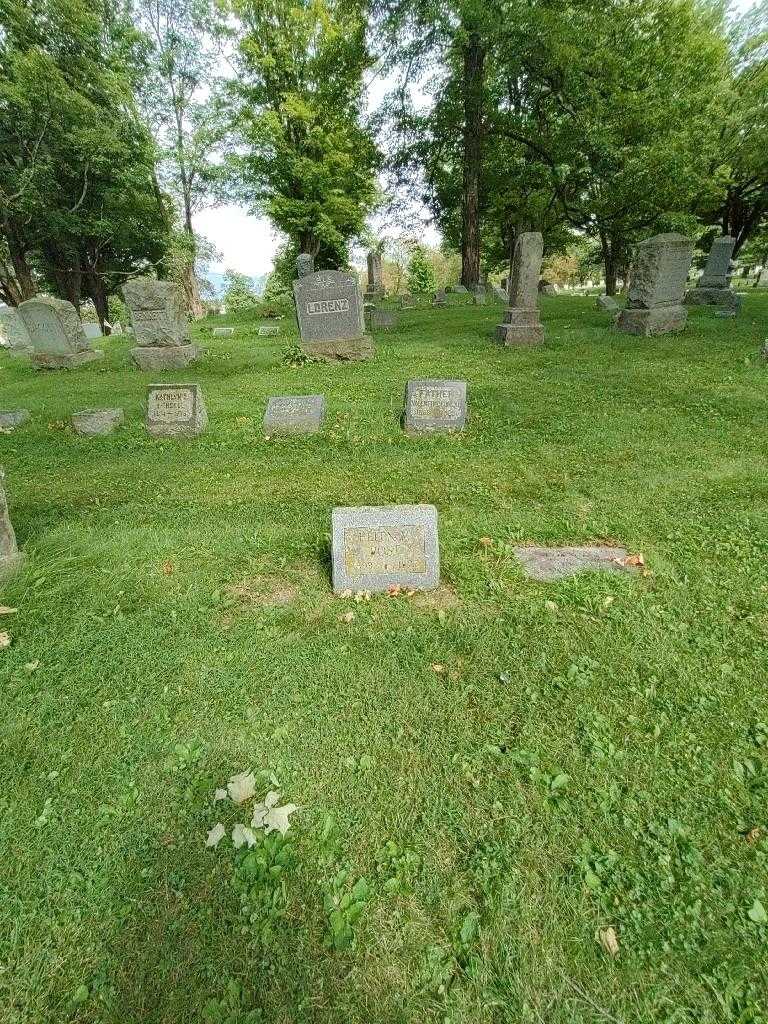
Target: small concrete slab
{"points": [[555, 563], [294, 414], [269, 331], [378, 548], [176, 410], [384, 319], [13, 418], [223, 332], [435, 405], [96, 422]]}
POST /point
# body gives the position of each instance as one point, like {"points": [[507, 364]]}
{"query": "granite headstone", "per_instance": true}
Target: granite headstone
{"points": [[160, 324], [329, 310], [435, 405], [175, 410], [659, 274], [13, 333], [56, 334], [521, 321], [10, 557], [714, 286]]}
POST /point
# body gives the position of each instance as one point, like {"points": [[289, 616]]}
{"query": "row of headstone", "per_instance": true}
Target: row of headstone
{"points": [[714, 286]]}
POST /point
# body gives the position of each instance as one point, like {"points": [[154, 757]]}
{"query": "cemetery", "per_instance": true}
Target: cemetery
{"points": [[383, 637]]}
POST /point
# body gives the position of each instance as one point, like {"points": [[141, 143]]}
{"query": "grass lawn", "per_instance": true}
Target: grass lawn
{"points": [[589, 754]]}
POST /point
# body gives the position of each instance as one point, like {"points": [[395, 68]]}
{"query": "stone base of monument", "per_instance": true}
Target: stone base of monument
{"points": [[165, 357], [65, 361], [96, 422], [723, 297], [648, 322], [521, 327], [11, 564], [342, 351]]}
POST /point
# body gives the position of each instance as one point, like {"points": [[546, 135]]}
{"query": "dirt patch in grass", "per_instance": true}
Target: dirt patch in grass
{"points": [[264, 591], [442, 598]]}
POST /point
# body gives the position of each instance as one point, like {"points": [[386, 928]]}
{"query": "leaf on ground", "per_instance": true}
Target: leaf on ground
{"points": [[31, 666], [345, 594], [551, 606], [754, 834], [5, 640], [486, 542], [757, 913], [277, 819], [438, 669], [215, 836], [220, 794], [347, 617], [395, 590], [167, 568], [241, 787], [634, 560], [609, 940], [241, 835], [5, 610]]}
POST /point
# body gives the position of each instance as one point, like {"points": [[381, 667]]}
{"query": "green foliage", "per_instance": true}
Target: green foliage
{"points": [[239, 294], [421, 274], [308, 163]]}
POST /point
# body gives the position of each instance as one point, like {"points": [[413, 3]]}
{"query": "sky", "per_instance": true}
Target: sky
{"points": [[248, 244]]}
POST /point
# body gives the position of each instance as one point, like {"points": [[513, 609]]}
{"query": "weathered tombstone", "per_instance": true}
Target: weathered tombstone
{"points": [[92, 331], [761, 281], [160, 325], [329, 310], [375, 278], [379, 548], [56, 334], [480, 298], [407, 302], [175, 410], [96, 422], [13, 333], [10, 556], [305, 264], [435, 405], [440, 298], [384, 319], [294, 414], [607, 303], [223, 332], [499, 293], [556, 563], [268, 331], [521, 321], [546, 288], [714, 286], [459, 289], [12, 418], [659, 274]]}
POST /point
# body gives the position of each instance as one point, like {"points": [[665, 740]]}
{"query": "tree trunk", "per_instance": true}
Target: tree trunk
{"points": [[474, 60], [609, 263], [16, 281], [96, 288]]}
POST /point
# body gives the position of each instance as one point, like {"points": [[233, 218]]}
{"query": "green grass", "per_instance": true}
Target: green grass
{"points": [[176, 595]]}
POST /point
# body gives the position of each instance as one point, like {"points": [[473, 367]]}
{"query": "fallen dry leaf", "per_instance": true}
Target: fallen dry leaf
{"points": [[345, 594], [276, 820], [485, 542], [216, 834], [5, 640], [31, 666], [5, 610], [395, 590], [438, 669], [608, 602], [634, 560], [241, 787], [362, 595], [242, 835], [753, 835], [551, 606], [609, 940], [167, 568], [220, 794], [347, 617]]}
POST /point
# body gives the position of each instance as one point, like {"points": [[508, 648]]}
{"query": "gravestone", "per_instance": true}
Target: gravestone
{"points": [[160, 324], [92, 331], [175, 410], [10, 556], [714, 286], [96, 422], [223, 332], [607, 303], [546, 288], [268, 331], [659, 275], [459, 289], [13, 333], [440, 299], [329, 310], [294, 414], [56, 334], [375, 279], [761, 281], [499, 293], [479, 297], [12, 418], [521, 321], [305, 264], [556, 563], [407, 302], [435, 405], [383, 319], [378, 548]]}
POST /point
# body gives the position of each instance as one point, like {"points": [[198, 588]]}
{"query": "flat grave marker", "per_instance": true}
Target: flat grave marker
{"points": [[378, 548], [176, 410], [294, 414], [435, 405]]}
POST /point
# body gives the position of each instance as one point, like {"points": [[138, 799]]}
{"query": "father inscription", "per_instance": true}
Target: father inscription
{"points": [[175, 410], [378, 548], [329, 310], [435, 405]]}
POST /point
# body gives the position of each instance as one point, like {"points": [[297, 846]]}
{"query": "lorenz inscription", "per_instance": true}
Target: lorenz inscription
{"points": [[383, 550], [328, 306], [377, 548]]}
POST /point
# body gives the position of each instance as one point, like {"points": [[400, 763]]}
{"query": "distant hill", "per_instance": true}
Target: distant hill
{"points": [[219, 282]]}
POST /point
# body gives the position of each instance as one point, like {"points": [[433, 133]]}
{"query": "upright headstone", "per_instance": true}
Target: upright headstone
{"points": [[379, 548], [714, 286], [521, 321], [407, 302], [659, 274], [479, 295], [13, 333], [294, 414], [384, 319], [607, 303], [305, 264], [56, 334], [10, 557], [546, 288], [499, 293], [459, 289], [761, 281], [175, 410], [92, 331], [440, 298], [160, 325], [329, 310], [375, 276], [435, 405]]}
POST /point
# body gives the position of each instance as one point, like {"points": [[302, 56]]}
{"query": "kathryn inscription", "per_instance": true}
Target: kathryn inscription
{"points": [[370, 551], [171, 406]]}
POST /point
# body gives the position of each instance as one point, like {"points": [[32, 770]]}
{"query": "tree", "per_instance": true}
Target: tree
{"points": [[308, 164], [421, 274], [182, 99], [240, 294]]}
